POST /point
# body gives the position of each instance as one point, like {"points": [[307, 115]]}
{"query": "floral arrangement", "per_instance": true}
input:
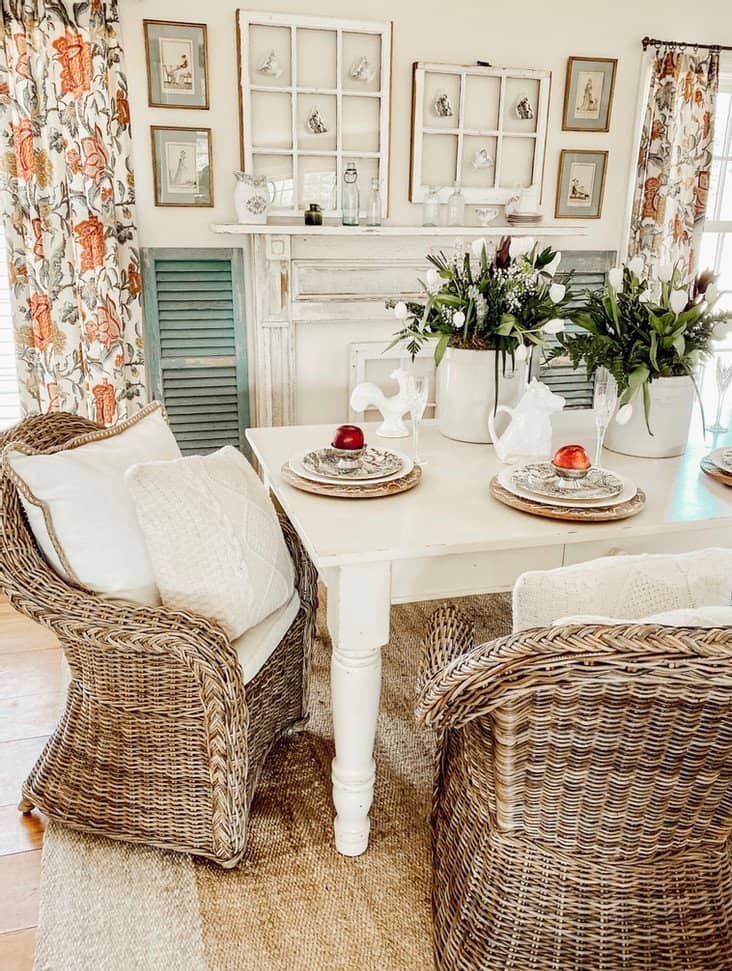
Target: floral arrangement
{"points": [[639, 332], [508, 302]]}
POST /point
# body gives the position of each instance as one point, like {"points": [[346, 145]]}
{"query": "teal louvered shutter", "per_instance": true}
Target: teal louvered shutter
{"points": [[589, 272], [196, 344]]}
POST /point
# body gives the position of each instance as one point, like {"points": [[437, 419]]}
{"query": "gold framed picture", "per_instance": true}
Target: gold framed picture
{"points": [[177, 64], [588, 93], [580, 184], [182, 166]]}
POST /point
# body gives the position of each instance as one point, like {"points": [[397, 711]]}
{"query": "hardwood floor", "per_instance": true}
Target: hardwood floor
{"points": [[30, 684]]}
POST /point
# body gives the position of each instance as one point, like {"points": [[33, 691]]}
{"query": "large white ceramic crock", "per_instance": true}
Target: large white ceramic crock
{"points": [[466, 393], [672, 400]]}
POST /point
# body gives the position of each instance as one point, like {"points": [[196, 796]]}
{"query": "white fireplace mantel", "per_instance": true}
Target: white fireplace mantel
{"points": [[313, 293], [335, 229]]}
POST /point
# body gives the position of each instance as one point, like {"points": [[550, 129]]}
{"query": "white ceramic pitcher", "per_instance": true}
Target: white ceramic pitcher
{"points": [[253, 195]]}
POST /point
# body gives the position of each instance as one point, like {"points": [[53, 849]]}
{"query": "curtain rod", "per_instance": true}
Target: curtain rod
{"points": [[655, 42]]}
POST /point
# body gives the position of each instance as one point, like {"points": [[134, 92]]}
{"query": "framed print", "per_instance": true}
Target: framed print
{"points": [[581, 184], [588, 93], [182, 166], [177, 64]]}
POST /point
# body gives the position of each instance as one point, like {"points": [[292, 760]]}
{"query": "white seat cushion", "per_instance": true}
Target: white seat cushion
{"points": [[623, 586], [213, 537], [255, 646], [79, 508], [686, 617]]}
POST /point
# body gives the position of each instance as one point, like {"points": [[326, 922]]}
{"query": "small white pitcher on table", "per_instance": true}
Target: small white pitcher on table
{"points": [[253, 195]]}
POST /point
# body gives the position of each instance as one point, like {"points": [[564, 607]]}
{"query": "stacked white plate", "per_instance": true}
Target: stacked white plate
{"points": [[601, 489], [722, 458], [524, 218], [376, 467]]}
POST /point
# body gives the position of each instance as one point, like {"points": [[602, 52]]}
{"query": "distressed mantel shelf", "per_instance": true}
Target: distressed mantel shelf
{"points": [[334, 229]]}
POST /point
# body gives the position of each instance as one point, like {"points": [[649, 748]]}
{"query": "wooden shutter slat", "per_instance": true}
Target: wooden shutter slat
{"points": [[194, 310]]}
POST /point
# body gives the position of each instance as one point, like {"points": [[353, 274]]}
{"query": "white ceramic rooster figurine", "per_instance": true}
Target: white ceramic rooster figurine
{"points": [[529, 433], [369, 395]]}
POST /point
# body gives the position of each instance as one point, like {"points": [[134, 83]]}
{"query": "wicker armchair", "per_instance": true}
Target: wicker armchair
{"points": [[583, 797], [160, 742]]}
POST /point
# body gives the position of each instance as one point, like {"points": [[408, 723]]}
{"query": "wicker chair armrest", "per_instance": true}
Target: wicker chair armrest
{"points": [[475, 681], [306, 576]]}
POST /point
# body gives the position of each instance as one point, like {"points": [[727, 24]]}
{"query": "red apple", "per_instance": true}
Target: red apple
{"points": [[348, 436], [571, 457]]}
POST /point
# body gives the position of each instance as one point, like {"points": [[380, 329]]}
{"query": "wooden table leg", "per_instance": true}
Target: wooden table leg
{"points": [[359, 599]]}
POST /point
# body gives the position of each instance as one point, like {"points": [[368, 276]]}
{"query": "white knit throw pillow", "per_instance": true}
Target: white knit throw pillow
{"points": [[213, 538]]}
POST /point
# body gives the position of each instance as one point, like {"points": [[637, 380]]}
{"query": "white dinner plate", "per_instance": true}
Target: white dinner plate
{"points": [[298, 467], [722, 458], [628, 491]]}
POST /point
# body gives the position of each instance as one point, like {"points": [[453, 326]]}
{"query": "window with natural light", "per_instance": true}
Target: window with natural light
{"points": [[9, 400], [716, 249]]}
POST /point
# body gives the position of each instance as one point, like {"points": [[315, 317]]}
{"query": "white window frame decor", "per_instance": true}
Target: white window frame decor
{"points": [[477, 194], [339, 96], [496, 193]]}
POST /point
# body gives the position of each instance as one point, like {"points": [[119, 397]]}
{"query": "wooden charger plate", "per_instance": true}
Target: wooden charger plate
{"points": [[593, 514], [714, 471], [353, 490]]}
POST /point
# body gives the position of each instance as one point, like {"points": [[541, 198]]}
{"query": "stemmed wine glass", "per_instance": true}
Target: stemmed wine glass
{"points": [[723, 378], [604, 403], [418, 387]]}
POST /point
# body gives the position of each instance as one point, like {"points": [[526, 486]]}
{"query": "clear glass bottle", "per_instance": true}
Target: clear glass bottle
{"points": [[456, 207], [431, 207], [351, 207], [373, 204]]}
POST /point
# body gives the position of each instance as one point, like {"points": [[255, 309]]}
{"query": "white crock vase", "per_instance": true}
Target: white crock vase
{"points": [[253, 195], [466, 393], [671, 403]]}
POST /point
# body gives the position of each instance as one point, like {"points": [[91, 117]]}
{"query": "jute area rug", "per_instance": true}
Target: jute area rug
{"points": [[294, 904]]}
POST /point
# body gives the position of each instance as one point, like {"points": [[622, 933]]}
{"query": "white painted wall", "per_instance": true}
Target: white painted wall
{"points": [[518, 33]]}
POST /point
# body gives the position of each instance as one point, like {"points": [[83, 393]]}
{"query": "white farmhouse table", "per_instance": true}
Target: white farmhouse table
{"points": [[447, 538]]}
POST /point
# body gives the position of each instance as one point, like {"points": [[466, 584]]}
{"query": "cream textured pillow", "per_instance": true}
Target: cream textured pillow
{"points": [[213, 537], [79, 509], [623, 586]]}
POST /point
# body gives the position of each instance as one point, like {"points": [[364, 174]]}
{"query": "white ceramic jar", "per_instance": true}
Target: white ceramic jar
{"points": [[672, 401], [466, 392]]}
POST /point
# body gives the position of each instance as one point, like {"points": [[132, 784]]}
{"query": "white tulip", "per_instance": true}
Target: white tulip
{"points": [[400, 310], [712, 293], [664, 272], [678, 301], [624, 414], [636, 266], [553, 265], [458, 319], [520, 246], [522, 352], [645, 296], [553, 326], [477, 246], [615, 278], [557, 292], [432, 281]]}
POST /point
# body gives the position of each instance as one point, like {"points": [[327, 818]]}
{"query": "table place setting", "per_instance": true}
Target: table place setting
{"points": [[348, 468], [568, 488], [718, 465]]}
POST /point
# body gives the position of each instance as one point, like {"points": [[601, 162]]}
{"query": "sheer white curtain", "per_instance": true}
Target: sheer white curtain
{"points": [[9, 397]]}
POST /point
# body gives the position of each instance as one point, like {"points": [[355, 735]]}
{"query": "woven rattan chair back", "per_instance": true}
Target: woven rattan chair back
{"points": [[583, 797]]}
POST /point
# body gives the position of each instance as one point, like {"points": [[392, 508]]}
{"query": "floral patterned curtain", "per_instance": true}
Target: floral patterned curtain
{"points": [[67, 195], [675, 159]]}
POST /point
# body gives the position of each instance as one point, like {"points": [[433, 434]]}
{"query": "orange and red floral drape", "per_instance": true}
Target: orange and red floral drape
{"points": [[68, 206], [675, 159]]}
